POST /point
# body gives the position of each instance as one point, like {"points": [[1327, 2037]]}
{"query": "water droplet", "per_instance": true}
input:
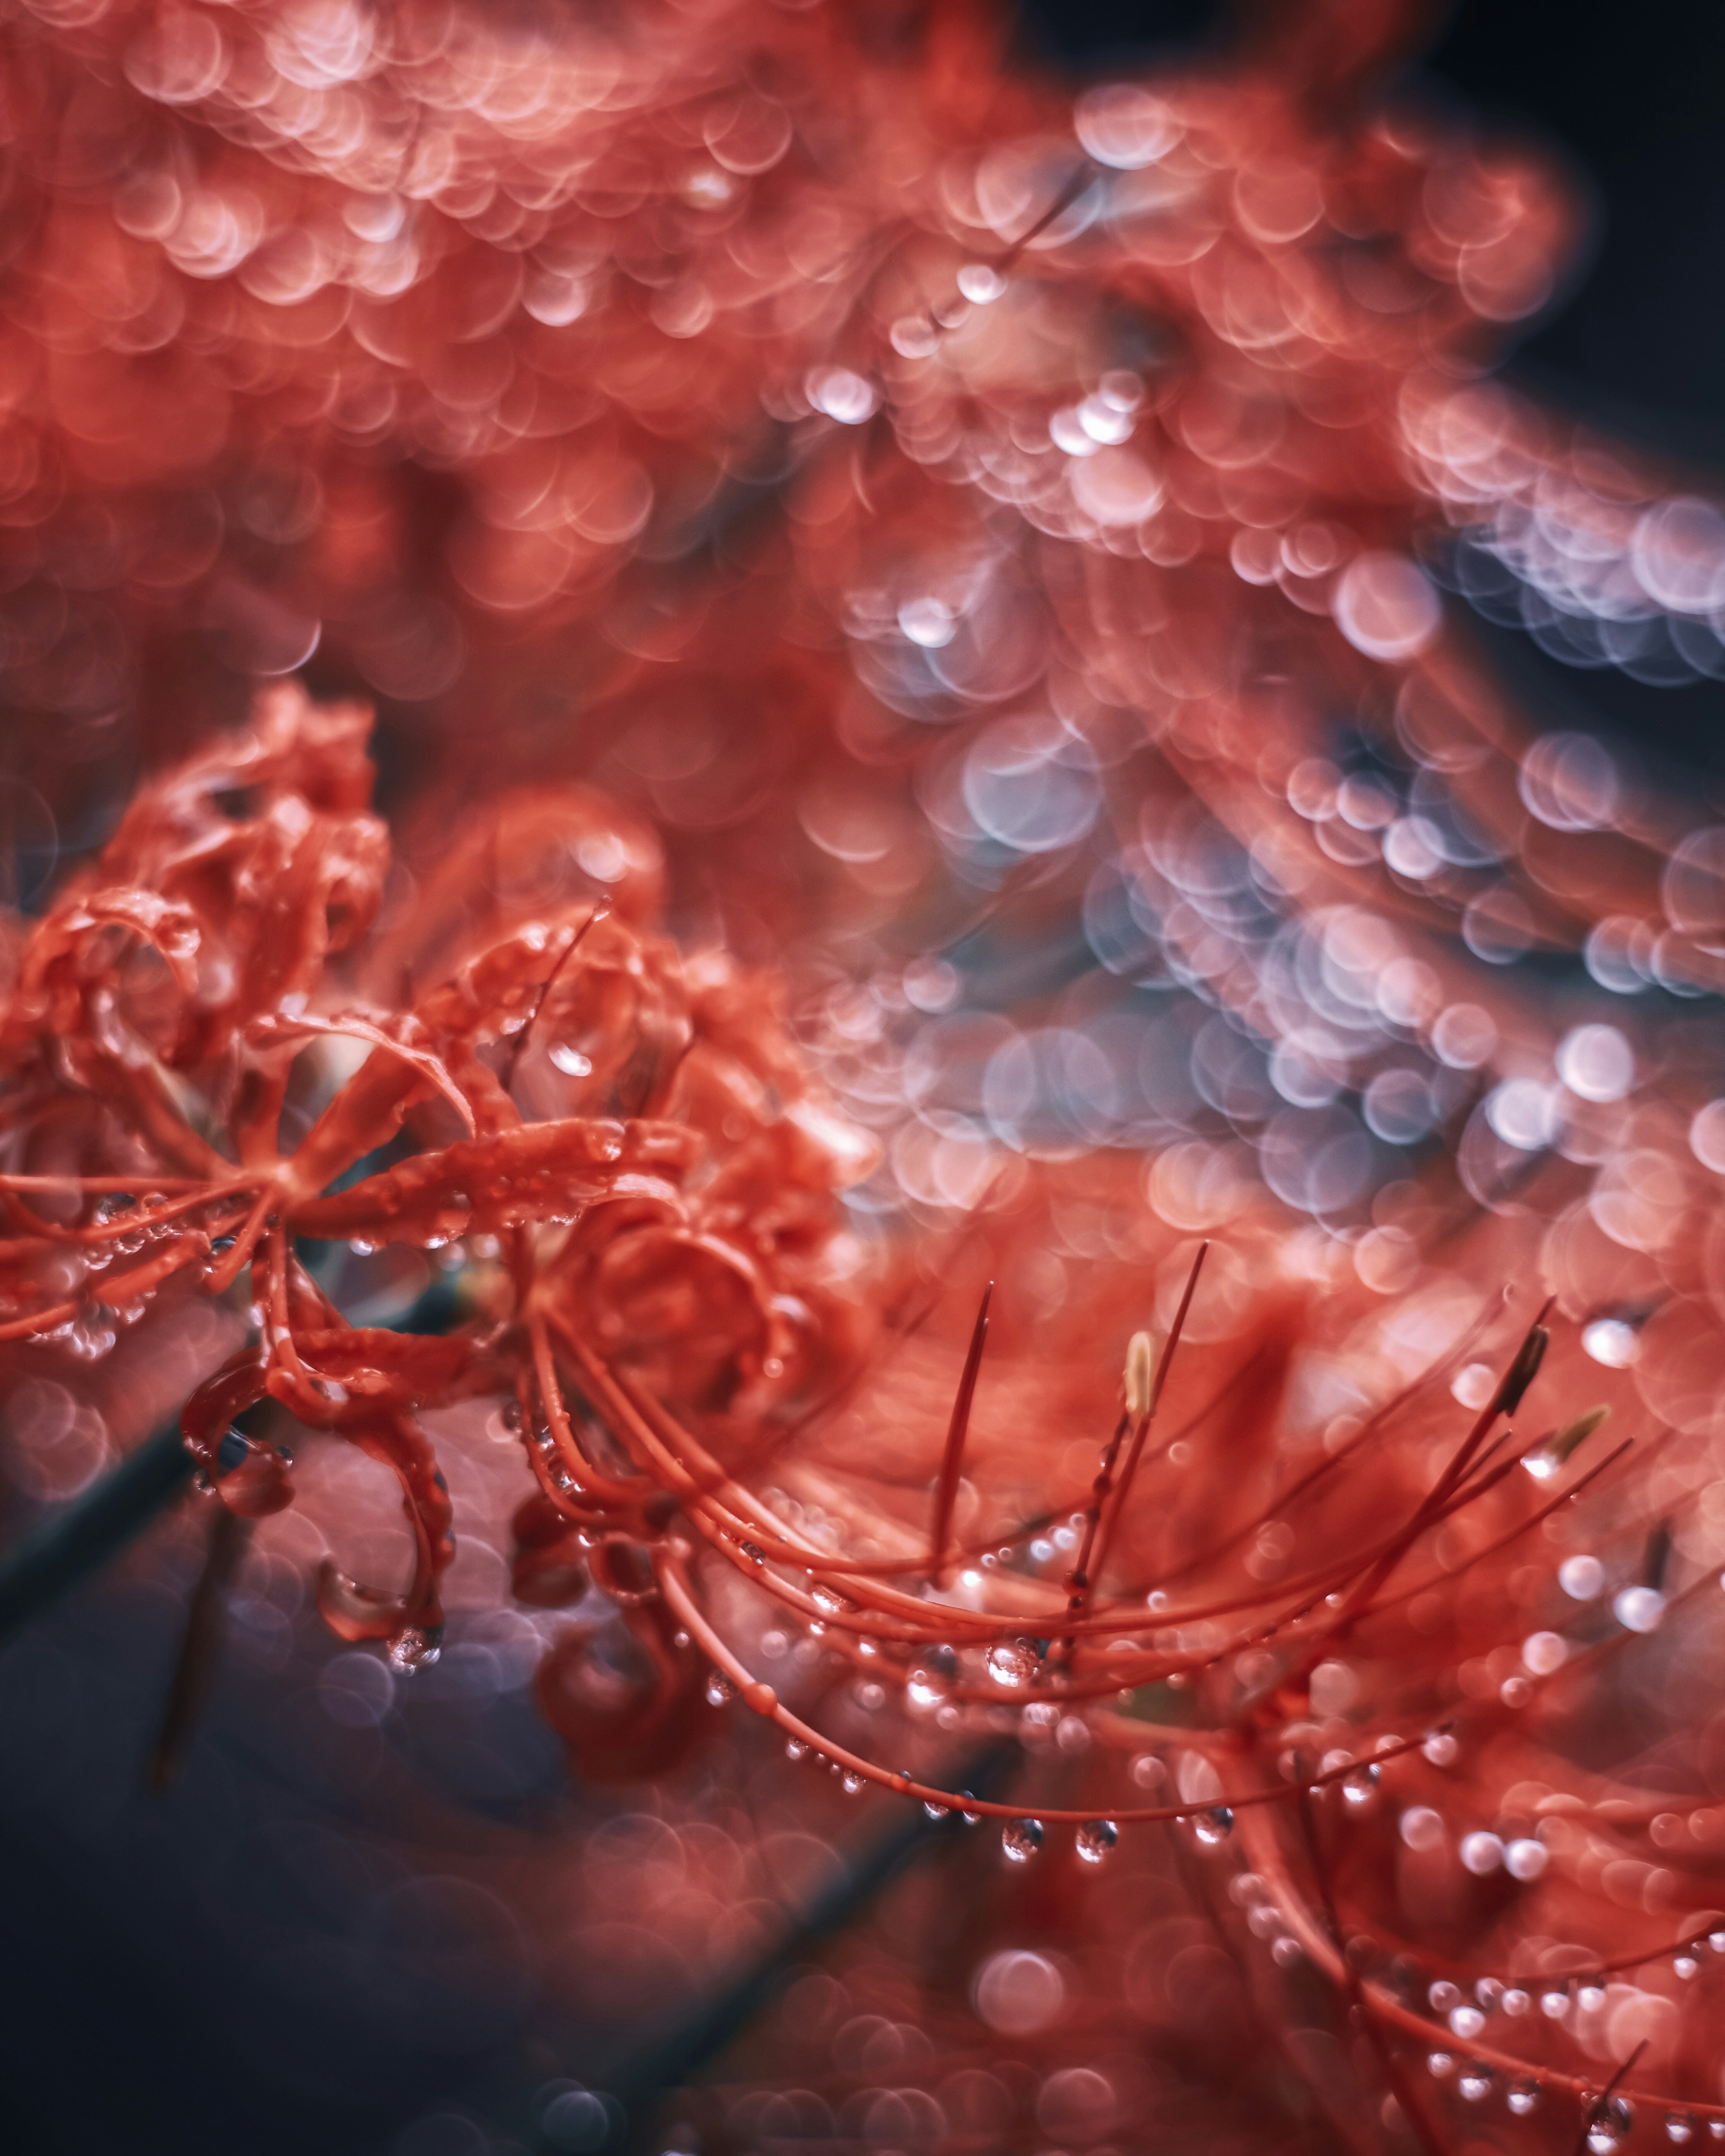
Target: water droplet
{"points": [[1441, 1749], [1095, 1838], [754, 1553], [1021, 1838], [1466, 2022], [1474, 2081], [1359, 1787], [925, 1689], [1444, 1996], [1213, 1827], [1523, 2097], [1715, 1940], [1011, 1664], [979, 281], [570, 1060], [1679, 2127], [720, 1690], [1554, 2004], [1581, 1578], [826, 1597], [417, 1647], [1590, 1997], [1685, 1966], [937, 1811], [1639, 1608], [1440, 2065], [970, 1819], [850, 1782], [795, 1749], [1607, 2125]]}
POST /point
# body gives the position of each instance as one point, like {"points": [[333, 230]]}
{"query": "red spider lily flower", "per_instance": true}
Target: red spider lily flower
{"points": [[673, 1204]]}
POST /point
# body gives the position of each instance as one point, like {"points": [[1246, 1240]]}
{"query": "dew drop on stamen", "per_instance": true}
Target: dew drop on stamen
{"points": [[1474, 2081], [1523, 2097], [1096, 1839], [1020, 1838], [1011, 1664], [720, 1690], [1212, 1827]]}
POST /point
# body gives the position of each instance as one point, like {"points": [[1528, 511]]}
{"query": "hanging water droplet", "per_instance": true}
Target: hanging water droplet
{"points": [[1554, 2004], [1440, 2065], [1021, 1838], [795, 1749], [1095, 1838], [417, 1647], [754, 1553], [1679, 2127], [570, 1060], [1359, 1787], [970, 1819], [850, 1782], [1523, 2097], [826, 1597], [1466, 2022], [720, 1690], [1213, 1827], [1475, 2081], [1011, 1664], [1608, 2123], [1590, 1997], [924, 1689], [1441, 1749], [1715, 1940], [937, 1811], [1685, 1966]]}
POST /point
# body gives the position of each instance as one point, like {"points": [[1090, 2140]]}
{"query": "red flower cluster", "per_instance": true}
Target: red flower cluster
{"points": [[628, 1138]]}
